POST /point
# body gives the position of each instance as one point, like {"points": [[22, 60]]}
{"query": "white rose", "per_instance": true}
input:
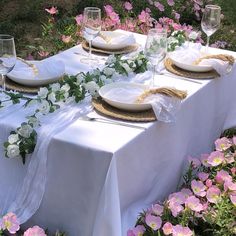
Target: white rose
{"points": [[66, 95], [44, 107], [140, 62], [111, 59], [96, 72], [25, 130], [80, 78], [65, 87], [52, 97], [13, 138], [13, 151], [42, 93], [92, 88], [34, 121], [55, 87], [193, 35], [127, 68], [108, 71]]}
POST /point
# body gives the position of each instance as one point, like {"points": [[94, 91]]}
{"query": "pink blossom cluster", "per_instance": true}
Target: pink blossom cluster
{"points": [[11, 224], [213, 183]]}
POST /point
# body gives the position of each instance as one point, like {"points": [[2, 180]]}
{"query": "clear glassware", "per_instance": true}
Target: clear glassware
{"points": [[155, 49], [91, 28], [210, 21], [7, 56]]}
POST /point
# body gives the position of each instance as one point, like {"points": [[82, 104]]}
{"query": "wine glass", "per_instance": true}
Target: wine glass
{"points": [[156, 49], [91, 28], [7, 57], [210, 21]]}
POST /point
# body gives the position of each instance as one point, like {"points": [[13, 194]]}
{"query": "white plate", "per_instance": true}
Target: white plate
{"points": [[49, 71], [191, 67], [122, 95], [118, 40]]}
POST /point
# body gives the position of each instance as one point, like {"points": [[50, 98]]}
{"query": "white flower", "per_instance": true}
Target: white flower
{"points": [[55, 87], [13, 151], [44, 107], [13, 138], [108, 71], [42, 93], [193, 35], [52, 97], [172, 40], [65, 87], [25, 130], [66, 95], [111, 59], [96, 72], [33, 121], [92, 88], [139, 62], [80, 78], [127, 68]]}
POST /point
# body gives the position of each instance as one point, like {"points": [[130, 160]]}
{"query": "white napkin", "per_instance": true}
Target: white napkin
{"points": [[43, 70], [122, 40], [189, 54], [164, 107]]}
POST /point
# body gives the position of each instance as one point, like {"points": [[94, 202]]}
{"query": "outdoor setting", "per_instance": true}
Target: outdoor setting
{"points": [[117, 118]]}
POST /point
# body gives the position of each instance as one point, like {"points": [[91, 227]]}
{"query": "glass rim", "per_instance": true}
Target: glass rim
{"points": [[92, 9], [213, 7], [6, 36], [160, 31]]}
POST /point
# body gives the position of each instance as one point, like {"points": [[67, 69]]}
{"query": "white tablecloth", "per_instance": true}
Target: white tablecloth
{"points": [[100, 176]]}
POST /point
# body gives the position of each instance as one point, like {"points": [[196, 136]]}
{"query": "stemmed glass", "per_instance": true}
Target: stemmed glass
{"points": [[156, 49], [91, 28], [7, 57], [210, 21]]}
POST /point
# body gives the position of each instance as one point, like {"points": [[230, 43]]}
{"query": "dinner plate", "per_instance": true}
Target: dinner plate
{"points": [[190, 67], [118, 40], [44, 72], [122, 95]]}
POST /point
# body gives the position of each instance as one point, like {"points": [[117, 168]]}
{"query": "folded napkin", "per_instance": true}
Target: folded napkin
{"points": [[191, 54], [165, 103], [121, 40], [36, 71]]}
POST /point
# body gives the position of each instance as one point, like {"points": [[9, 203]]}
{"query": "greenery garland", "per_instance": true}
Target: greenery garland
{"points": [[22, 141]]}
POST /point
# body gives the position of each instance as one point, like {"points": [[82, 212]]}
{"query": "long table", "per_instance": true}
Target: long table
{"points": [[100, 176]]}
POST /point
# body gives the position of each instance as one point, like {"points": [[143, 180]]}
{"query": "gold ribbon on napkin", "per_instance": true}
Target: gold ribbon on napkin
{"points": [[224, 57], [170, 92], [33, 66]]}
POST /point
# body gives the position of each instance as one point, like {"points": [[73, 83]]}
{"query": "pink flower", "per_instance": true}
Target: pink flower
{"points": [[222, 144], [198, 188], [128, 6], [222, 176], [233, 170], [52, 10], [66, 39], [213, 194], [157, 209], [175, 208], [208, 183], [176, 15], [194, 204], [170, 2], [153, 221], [234, 140], [35, 231], [233, 199], [203, 176], [167, 228], [79, 19], [216, 158], [187, 192], [178, 197], [108, 9], [10, 222], [43, 53], [136, 231], [144, 16], [229, 185], [179, 230], [204, 160], [114, 18], [194, 162], [159, 6]]}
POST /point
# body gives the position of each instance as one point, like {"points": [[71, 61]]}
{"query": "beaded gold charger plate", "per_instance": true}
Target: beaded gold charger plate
{"points": [[124, 50], [193, 75], [102, 107]]}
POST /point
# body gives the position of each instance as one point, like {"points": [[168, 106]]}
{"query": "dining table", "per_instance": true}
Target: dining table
{"points": [[101, 175]]}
